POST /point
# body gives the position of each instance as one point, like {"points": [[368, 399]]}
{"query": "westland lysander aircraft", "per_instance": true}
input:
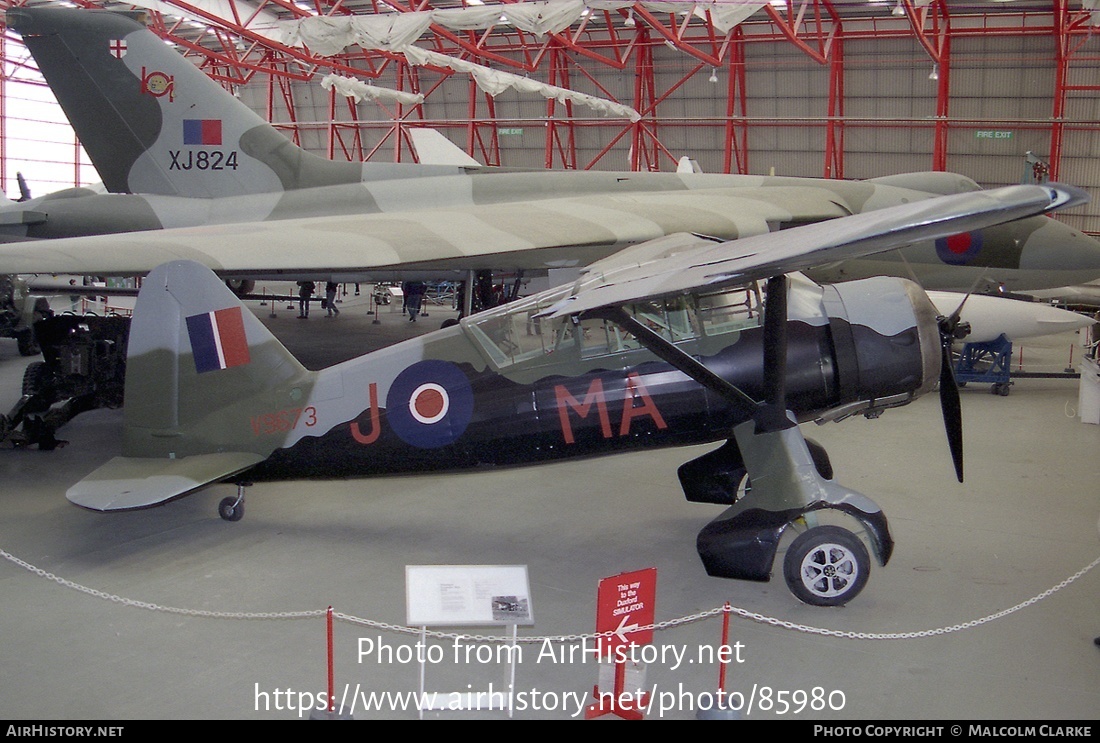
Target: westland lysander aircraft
{"points": [[177, 150], [665, 343]]}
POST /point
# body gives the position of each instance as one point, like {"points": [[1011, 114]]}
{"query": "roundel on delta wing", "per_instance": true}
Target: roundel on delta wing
{"points": [[959, 250]]}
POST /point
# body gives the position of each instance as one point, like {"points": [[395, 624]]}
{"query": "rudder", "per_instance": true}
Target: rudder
{"points": [[195, 355]]}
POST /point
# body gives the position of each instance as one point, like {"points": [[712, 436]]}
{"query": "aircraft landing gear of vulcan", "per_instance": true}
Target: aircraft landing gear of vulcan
{"points": [[232, 509]]}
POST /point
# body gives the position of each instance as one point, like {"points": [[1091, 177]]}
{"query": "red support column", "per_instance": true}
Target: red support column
{"points": [[559, 76], [471, 115], [4, 149], [331, 146], [644, 100], [735, 149], [1061, 76], [834, 128], [932, 26], [286, 88], [943, 100]]}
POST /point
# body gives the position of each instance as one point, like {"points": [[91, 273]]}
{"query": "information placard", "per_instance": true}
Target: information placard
{"points": [[456, 595]]}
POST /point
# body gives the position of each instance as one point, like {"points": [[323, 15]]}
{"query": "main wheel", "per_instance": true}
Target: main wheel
{"points": [[241, 287], [34, 377], [826, 566], [231, 509]]}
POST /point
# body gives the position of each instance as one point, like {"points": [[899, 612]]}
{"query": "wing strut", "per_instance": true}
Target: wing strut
{"points": [[667, 351], [772, 415], [775, 342]]}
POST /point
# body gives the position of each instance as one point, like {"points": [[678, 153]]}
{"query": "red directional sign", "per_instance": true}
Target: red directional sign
{"points": [[624, 603]]}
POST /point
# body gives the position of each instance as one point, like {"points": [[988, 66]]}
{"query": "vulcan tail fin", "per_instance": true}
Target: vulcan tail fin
{"points": [[208, 392], [151, 121]]}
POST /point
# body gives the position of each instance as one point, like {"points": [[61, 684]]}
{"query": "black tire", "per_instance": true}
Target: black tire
{"points": [[230, 510], [826, 566], [241, 287], [28, 344], [34, 378]]}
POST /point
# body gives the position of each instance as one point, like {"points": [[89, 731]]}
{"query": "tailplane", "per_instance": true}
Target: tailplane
{"points": [[208, 391], [151, 121]]}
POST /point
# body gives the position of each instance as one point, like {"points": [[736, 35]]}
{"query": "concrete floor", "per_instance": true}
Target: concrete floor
{"points": [[1025, 521]]}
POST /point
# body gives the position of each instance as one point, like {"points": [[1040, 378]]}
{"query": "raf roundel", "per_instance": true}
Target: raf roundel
{"points": [[959, 250], [430, 404]]}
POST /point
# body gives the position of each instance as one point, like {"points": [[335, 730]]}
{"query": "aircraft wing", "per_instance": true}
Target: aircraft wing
{"points": [[528, 234], [124, 483], [681, 263]]}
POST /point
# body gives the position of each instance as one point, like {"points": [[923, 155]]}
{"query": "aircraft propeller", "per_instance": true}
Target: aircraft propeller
{"points": [[952, 329]]}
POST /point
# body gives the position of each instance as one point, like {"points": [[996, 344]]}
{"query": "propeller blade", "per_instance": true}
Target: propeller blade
{"points": [[953, 318], [951, 407]]}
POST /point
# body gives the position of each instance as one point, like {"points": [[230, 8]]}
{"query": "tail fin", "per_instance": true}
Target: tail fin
{"points": [[432, 148], [151, 121], [201, 371]]}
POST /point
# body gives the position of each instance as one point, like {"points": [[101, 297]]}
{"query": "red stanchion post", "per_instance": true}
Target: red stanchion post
{"points": [[331, 673], [721, 707], [724, 659]]}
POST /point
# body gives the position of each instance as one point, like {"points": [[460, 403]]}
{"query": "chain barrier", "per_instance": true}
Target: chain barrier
{"points": [[591, 637]]}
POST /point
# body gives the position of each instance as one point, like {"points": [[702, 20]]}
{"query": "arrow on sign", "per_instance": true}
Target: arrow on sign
{"points": [[623, 628]]}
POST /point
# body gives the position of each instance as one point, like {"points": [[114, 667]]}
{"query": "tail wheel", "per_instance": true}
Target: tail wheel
{"points": [[826, 566], [231, 509]]}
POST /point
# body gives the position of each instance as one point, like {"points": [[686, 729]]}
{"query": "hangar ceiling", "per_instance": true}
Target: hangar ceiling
{"points": [[715, 79]]}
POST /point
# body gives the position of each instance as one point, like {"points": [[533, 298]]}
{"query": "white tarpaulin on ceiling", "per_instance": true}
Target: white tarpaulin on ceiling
{"points": [[260, 22], [350, 87], [398, 32], [495, 82], [393, 31]]}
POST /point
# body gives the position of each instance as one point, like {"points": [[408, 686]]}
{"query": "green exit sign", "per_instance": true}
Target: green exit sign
{"points": [[992, 134], [509, 132]]}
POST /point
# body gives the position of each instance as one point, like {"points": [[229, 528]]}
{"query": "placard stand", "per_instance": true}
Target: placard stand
{"points": [[468, 596], [468, 701], [619, 691]]}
